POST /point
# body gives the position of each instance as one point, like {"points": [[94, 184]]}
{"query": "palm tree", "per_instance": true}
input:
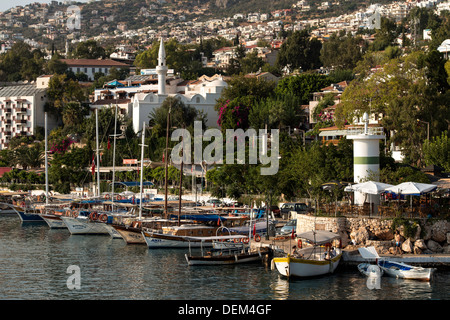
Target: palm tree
{"points": [[29, 157]]}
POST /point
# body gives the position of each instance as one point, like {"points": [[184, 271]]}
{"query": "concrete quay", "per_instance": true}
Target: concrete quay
{"points": [[351, 257]]}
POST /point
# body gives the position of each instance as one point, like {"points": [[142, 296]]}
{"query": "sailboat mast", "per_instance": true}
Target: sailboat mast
{"points": [[46, 159], [142, 170], [98, 156], [114, 159]]}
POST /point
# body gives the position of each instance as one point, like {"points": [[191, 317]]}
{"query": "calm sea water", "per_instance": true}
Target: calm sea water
{"points": [[34, 261]]}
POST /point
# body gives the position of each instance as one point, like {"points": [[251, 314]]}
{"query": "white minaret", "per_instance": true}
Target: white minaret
{"points": [[366, 157], [161, 69]]}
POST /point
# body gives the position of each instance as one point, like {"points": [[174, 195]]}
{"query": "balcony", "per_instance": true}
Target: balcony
{"points": [[21, 110], [20, 121]]}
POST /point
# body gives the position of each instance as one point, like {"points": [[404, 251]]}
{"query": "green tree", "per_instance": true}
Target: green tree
{"points": [[437, 151], [342, 51], [89, 49], [302, 85], [300, 52]]}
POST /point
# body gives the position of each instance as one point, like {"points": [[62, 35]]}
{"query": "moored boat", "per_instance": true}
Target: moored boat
{"points": [[315, 260], [397, 269], [369, 269], [178, 236], [405, 271], [82, 224], [225, 255]]}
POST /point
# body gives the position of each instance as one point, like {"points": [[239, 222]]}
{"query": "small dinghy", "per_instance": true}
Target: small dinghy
{"points": [[369, 269]]}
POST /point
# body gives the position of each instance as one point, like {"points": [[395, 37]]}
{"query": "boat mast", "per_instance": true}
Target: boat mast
{"points": [[166, 160], [46, 159], [97, 151], [142, 169], [114, 159]]}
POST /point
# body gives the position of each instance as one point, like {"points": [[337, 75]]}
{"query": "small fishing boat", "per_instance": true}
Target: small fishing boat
{"points": [[369, 269], [225, 255], [319, 258], [397, 269], [405, 271]]}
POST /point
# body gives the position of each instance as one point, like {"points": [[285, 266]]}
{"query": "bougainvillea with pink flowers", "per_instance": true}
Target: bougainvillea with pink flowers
{"points": [[60, 146], [234, 114]]}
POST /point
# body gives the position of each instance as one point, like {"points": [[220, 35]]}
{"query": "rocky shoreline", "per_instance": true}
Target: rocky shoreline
{"points": [[418, 236]]}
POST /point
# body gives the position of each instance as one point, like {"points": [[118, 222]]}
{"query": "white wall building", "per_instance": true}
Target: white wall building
{"points": [[22, 110], [91, 66]]}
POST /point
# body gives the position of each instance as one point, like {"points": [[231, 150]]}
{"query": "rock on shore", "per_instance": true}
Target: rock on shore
{"points": [[426, 236]]}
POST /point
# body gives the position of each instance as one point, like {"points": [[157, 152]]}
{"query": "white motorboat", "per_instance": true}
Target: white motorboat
{"points": [[318, 259]]}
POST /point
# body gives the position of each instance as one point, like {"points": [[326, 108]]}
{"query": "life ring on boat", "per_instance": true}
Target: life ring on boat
{"points": [[107, 196], [257, 238], [118, 198], [245, 240], [93, 216], [103, 217], [52, 211], [236, 240], [75, 214], [300, 244]]}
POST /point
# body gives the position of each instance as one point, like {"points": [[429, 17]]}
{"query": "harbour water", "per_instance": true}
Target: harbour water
{"points": [[34, 262]]}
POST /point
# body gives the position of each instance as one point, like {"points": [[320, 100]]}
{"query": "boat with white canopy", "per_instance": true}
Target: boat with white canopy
{"points": [[318, 257]]}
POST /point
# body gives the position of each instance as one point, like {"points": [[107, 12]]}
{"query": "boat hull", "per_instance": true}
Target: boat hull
{"points": [[113, 232], [54, 222], [130, 235], [29, 217], [368, 269], [404, 271], [84, 226], [157, 240], [294, 267], [224, 259]]}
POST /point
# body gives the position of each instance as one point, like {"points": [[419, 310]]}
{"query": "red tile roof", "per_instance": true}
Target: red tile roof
{"points": [[93, 63]]}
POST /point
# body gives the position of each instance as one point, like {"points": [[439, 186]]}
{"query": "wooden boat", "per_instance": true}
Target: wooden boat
{"points": [[405, 271], [369, 269], [315, 260], [178, 236], [226, 255], [397, 269]]}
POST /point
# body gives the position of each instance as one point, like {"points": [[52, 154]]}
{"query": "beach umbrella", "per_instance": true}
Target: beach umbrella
{"points": [[370, 187], [412, 188]]}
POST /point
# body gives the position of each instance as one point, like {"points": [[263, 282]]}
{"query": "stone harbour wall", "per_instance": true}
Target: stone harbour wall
{"points": [[418, 236]]}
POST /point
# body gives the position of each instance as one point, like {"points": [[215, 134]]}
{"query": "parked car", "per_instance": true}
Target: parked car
{"points": [[288, 227], [298, 207], [275, 210], [213, 202]]}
